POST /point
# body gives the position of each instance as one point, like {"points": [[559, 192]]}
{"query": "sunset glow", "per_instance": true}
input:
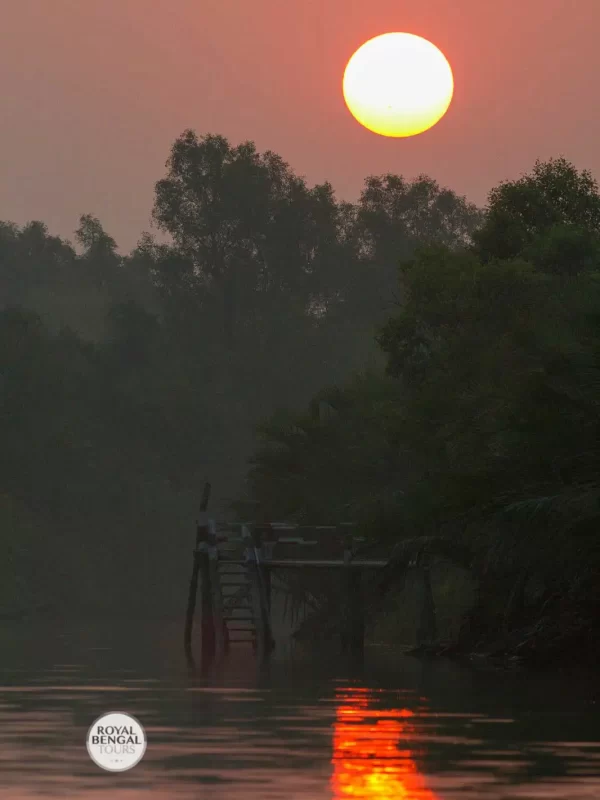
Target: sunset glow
{"points": [[398, 85], [371, 756]]}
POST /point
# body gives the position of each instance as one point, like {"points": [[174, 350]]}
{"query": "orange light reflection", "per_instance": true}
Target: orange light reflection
{"points": [[371, 758]]}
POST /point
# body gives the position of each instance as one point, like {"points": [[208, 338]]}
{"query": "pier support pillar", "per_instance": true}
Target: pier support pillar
{"points": [[216, 592], [207, 619], [260, 579], [196, 571], [353, 619], [427, 626]]}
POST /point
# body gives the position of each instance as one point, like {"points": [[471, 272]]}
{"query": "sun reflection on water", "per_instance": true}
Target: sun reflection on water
{"points": [[371, 755]]}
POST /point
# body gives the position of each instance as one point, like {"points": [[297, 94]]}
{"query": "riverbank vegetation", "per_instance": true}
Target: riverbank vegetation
{"points": [[484, 430], [408, 361]]}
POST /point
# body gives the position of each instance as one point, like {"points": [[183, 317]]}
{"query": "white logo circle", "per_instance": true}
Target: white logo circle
{"points": [[116, 741]]}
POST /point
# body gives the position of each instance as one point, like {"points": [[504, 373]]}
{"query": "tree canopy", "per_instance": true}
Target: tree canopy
{"points": [[489, 430], [407, 361]]}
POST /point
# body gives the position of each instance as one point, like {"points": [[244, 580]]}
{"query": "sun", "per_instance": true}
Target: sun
{"points": [[398, 84]]}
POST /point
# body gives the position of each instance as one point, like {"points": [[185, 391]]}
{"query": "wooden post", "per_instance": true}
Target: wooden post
{"points": [[263, 592], [267, 550], [250, 556], [353, 625], [427, 628], [345, 604], [258, 590], [215, 586], [193, 590], [191, 608], [207, 619]]}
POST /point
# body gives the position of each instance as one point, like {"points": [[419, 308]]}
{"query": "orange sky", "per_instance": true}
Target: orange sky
{"points": [[95, 92]]}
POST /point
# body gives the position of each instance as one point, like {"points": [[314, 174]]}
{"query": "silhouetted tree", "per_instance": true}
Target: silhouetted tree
{"points": [[553, 203], [393, 218]]}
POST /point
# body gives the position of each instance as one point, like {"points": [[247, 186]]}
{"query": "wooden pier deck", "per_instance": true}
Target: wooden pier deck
{"points": [[234, 564]]}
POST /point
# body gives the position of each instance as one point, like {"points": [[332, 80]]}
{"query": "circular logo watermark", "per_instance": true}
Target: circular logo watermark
{"points": [[116, 741]]}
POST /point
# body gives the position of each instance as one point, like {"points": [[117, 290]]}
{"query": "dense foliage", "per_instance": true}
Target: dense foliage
{"points": [[485, 430], [407, 361], [126, 379]]}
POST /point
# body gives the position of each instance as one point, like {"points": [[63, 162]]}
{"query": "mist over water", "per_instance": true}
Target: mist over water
{"points": [[304, 726]]}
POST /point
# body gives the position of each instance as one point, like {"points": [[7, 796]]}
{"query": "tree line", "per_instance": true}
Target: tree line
{"points": [[482, 428], [408, 361]]}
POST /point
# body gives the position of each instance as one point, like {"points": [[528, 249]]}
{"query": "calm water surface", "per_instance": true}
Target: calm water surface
{"points": [[304, 728]]}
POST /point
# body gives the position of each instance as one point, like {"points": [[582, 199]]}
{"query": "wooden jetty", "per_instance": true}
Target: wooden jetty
{"points": [[234, 565]]}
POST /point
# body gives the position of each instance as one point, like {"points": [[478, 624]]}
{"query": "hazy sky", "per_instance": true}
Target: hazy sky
{"points": [[94, 92]]}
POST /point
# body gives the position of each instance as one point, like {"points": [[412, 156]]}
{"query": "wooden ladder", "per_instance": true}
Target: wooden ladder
{"points": [[236, 598]]}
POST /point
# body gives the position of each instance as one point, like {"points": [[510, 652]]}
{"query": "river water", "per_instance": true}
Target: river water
{"points": [[307, 726]]}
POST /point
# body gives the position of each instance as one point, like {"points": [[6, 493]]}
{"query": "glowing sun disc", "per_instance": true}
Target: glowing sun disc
{"points": [[398, 84]]}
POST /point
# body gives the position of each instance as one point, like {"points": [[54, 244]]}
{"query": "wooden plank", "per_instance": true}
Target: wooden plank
{"points": [[321, 563]]}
